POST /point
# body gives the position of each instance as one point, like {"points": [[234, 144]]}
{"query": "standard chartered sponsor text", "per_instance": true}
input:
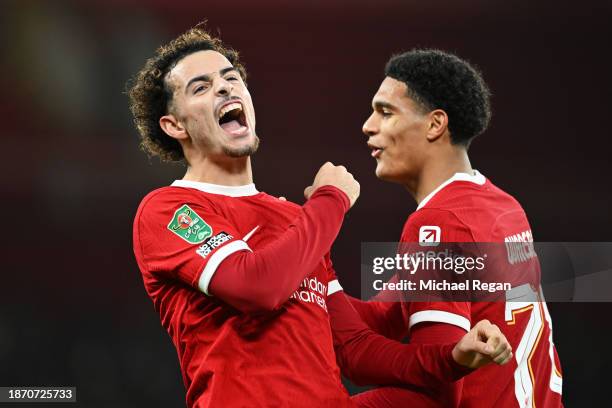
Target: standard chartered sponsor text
{"points": [[311, 290]]}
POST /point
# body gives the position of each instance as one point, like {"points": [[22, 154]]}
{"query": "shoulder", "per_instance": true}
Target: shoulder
{"points": [[155, 198], [483, 212], [439, 215], [462, 195], [167, 200], [172, 206]]}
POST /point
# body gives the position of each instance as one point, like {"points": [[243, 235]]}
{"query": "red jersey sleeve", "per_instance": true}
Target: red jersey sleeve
{"points": [[263, 280], [429, 227], [333, 284], [177, 238], [382, 317], [385, 318], [369, 358]]}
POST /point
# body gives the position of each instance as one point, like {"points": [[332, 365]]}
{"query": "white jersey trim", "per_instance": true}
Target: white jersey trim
{"points": [[333, 287], [231, 191], [216, 259], [476, 178], [441, 317]]}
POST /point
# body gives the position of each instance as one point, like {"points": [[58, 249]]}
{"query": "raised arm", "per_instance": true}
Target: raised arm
{"points": [[262, 280]]}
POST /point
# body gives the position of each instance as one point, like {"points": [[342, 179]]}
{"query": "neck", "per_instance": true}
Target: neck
{"points": [[436, 172], [226, 172]]}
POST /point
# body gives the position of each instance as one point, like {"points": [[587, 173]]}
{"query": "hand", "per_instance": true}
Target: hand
{"points": [[336, 176], [483, 344]]}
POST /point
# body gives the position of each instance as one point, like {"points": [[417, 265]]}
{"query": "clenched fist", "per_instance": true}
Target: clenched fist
{"points": [[337, 176], [481, 345]]}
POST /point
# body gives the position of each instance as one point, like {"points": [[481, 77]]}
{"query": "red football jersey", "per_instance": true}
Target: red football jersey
{"points": [[182, 234], [469, 208]]}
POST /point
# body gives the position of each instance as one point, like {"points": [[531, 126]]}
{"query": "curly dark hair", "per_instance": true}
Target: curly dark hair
{"points": [[151, 96], [438, 80]]}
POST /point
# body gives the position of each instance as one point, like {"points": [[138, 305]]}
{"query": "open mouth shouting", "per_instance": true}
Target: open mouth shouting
{"points": [[376, 150], [232, 118]]}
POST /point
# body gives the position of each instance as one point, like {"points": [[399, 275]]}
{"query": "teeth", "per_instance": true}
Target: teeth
{"points": [[228, 108]]}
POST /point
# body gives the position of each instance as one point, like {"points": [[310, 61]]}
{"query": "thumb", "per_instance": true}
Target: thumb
{"points": [[308, 192]]}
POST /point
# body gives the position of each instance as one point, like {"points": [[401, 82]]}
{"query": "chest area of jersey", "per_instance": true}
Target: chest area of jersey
{"points": [[259, 222]]}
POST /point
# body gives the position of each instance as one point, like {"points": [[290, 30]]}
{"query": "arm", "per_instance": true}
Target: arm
{"points": [[264, 279], [381, 313], [447, 395], [369, 358], [383, 317], [431, 360]]}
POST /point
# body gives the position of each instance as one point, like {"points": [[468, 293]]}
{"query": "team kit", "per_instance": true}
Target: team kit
{"points": [[244, 283]]}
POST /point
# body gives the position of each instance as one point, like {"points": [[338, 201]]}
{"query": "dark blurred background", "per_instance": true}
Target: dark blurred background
{"points": [[73, 310]]}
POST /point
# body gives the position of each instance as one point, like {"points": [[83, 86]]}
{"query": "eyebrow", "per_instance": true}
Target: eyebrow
{"points": [[207, 77], [382, 104]]}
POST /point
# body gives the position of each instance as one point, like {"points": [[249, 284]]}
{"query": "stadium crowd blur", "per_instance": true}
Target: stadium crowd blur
{"points": [[73, 310]]}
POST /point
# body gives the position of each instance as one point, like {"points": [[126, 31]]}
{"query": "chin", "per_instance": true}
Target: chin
{"points": [[380, 172], [383, 175], [242, 150]]}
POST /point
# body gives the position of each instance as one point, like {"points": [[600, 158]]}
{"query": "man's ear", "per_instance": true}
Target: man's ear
{"points": [[438, 124], [173, 127]]}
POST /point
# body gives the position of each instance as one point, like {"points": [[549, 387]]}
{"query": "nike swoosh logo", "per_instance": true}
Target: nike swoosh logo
{"points": [[247, 236]]}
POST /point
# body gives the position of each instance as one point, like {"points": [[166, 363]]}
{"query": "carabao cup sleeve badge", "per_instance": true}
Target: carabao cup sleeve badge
{"points": [[188, 225]]}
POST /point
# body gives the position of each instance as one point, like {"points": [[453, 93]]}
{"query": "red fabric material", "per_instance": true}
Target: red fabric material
{"points": [[366, 357], [229, 358], [466, 211], [437, 333], [263, 280], [394, 397], [384, 318]]}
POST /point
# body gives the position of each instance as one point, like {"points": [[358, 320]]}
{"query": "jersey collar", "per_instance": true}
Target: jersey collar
{"points": [[231, 191], [476, 178]]}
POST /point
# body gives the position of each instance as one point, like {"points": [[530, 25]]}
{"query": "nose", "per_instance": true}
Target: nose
{"points": [[370, 127], [223, 87]]}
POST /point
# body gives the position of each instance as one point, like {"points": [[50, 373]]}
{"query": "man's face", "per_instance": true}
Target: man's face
{"points": [[396, 132], [213, 104]]}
